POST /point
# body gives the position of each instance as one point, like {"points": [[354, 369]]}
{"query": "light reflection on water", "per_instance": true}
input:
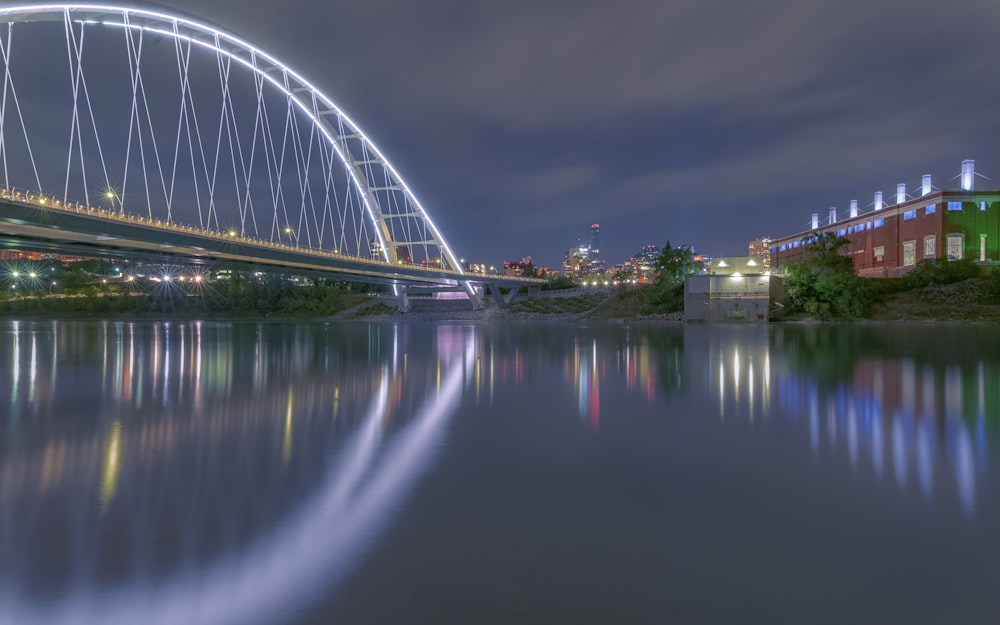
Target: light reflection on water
{"points": [[314, 542], [217, 473]]}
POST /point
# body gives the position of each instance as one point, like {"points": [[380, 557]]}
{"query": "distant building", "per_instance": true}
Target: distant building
{"points": [[577, 261], [761, 247], [403, 254], [646, 261], [19, 255], [519, 268]]}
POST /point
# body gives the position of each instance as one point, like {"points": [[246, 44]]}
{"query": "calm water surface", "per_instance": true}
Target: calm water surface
{"points": [[215, 473]]}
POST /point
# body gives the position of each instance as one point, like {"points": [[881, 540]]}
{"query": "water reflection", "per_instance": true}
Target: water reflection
{"points": [[178, 448], [891, 399], [223, 473]]}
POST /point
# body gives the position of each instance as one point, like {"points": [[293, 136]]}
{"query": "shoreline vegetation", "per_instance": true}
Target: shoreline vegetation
{"points": [[969, 300], [822, 287]]}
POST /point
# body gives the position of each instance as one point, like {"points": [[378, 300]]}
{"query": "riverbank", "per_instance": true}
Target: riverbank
{"points": [[970, 301]]}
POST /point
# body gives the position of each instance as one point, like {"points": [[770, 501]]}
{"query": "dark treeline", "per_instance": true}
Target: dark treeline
{"points": [[236, 296]]}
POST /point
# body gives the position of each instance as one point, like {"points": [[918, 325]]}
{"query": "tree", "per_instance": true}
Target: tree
{"points": [[666, 294], [675, 263], [823, 284]]}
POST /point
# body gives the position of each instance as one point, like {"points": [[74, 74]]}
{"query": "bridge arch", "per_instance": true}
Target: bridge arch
{"points": [[351, 199]]}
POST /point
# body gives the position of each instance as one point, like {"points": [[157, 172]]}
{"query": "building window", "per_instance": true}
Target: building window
{"points": [[868, 225], [982, 206], [879, 253], [930, 247], [955, 244], [954, 206], [841, 232], [879, 223], [910, 214], [782, 248], [930, 209], [909, 253]]}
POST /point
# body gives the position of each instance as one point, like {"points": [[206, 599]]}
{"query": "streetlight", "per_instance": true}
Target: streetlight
{"points": [[112, 196]]}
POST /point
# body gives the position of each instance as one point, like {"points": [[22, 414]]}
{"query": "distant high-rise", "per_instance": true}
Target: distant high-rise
{"points": [[595, 245], [646, 262], [761, 247]]}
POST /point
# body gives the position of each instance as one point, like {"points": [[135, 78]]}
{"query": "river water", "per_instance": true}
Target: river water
{"points": [[214, 473]]}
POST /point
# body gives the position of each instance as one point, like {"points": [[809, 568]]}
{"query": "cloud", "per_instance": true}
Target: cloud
{"points": [[530, 115]]}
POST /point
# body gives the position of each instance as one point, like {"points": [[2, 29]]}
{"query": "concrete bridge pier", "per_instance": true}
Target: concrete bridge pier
{"points": [[470, 290], [402, 300], [502, 301]]}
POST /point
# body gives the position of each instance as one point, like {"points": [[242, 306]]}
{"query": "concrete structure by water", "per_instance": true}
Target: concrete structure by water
{"points": [[737, 289]]}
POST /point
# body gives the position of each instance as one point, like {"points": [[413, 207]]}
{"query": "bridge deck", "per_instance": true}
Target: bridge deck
{"points": [[42, 224]]}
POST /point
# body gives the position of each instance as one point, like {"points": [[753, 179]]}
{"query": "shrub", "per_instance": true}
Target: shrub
{"points": [[940, 271], [823, 284]]}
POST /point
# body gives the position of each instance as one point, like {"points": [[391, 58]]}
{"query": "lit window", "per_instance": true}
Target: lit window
{"points": [[841, 232], [930, 247], [849, 229], [868, 226], [879, 253], [909, 253], [954, 206], [782, 248], [982, 206], [930, 208], [879, 223], [910, 214], [955, 244]]}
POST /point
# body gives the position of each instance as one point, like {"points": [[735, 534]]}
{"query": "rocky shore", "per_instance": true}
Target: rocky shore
{"points": [[435, 310]]}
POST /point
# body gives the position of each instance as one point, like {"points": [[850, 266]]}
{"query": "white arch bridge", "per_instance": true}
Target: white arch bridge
{"points": [[145, 133]]}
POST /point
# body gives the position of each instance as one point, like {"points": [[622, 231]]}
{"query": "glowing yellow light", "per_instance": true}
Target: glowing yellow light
{"points": [[112, 465], [286, 446]]}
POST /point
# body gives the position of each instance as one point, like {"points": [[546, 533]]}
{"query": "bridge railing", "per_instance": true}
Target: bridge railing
{"points": [[27, 198]]}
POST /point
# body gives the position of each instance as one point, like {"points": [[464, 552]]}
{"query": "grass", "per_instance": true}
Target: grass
{"points": [[968, 300], [558, 305], [377, 308]]}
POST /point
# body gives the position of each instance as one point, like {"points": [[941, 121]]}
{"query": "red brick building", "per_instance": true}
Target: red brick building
{"points": [[890, 241]]}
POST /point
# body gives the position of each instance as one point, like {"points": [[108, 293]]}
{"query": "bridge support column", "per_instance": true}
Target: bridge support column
{"points": [[401, 299], [470, 290], [501, 300], [534, 291]]}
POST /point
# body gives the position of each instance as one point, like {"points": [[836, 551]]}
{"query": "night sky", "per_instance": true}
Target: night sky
{"points": [[705, 122]]}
